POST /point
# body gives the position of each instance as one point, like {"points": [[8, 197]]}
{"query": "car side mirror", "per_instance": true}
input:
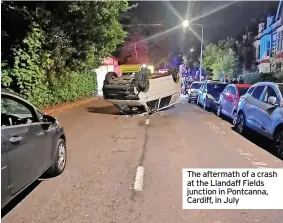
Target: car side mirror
{"points": [[47, 119], [271, 100]]}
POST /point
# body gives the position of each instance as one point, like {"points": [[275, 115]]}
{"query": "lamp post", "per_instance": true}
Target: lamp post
{"points": [[186, 23]]}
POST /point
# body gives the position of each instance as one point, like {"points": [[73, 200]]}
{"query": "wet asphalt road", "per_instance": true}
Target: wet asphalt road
{"points": [[104, 151]]}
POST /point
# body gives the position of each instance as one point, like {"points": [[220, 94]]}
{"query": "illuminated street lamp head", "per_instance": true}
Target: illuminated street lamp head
{"points": [[185, 23], [192, 50]]}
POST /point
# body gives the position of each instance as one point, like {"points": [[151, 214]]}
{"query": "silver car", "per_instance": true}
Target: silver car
{"points": [[261, 109]]}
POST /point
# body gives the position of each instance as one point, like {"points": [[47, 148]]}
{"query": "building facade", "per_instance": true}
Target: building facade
{"points": [[269, 43]]}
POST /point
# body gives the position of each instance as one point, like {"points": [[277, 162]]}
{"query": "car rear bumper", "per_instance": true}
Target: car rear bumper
{"points": [[193, 97]]}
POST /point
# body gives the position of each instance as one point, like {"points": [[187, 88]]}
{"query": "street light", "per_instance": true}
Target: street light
{"points": [[192, 50], [186, 23]]}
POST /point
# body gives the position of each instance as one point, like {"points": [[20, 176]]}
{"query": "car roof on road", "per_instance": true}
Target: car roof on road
{"points": [[242, 85]]}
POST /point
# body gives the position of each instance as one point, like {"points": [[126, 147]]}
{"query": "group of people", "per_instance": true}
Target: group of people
{"points": [[234, 80]]}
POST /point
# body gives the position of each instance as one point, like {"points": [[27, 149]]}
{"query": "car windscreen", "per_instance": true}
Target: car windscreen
{"points": [[242, 90], [195, 85], [215, 88], [280, 86]]}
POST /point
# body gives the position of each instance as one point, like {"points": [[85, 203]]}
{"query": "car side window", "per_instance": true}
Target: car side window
{"points": [[250, 91], [233, 90], [268, 93], [228, 90], [225, 90], [258, 91], [14, 112]]}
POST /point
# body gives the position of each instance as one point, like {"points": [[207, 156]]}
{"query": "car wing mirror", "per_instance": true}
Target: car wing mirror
{"points": [[47, 119], [272, 100]]}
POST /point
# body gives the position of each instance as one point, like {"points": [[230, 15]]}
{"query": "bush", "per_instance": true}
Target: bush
{"points": [[251, 78], [30, 75]]}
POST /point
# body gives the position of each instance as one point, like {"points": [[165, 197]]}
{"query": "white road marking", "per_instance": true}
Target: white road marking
{"points": [[259, 164], [147, 121], [138, 186]]}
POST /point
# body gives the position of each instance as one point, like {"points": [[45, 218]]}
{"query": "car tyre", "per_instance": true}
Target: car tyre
{"points": [[241, 122], [278, 142], [218, 111], [59, 162], [204, 106], [142, 82], [234, 121], [110, 76], [197, 101], [175, 74]]}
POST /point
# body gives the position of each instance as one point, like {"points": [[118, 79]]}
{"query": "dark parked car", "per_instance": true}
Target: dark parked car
{"points": [[193, 91], [32, 143], [209, 94], [229, 99]]}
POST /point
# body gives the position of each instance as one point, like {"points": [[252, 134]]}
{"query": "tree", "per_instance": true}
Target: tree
{"points": [[58, 46], [221, 59], [135, 48], [224, 64]]}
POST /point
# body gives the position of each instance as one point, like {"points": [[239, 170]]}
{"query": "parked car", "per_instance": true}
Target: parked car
{"points": [[185, 86], [143, 92], [229, 99], [32, 143], [209, 94], [193, 91], [261, 109]]}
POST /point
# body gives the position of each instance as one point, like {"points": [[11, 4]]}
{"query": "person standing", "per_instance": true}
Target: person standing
{"points": [[226, 80], [241, 80]]}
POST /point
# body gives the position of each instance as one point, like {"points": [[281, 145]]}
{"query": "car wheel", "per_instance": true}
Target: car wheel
{"points": [[59, 162], [278, 142], [234, 118], [218, 111], [240, 126], [142, 82], [175, 74], [198, 101], [204, 106], [109, 77]]}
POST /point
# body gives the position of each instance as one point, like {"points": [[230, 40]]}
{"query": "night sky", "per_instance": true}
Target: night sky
{"points": [[229, 21]]}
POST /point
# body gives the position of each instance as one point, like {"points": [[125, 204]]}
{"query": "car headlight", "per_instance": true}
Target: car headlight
{"points": [[210, 97]]}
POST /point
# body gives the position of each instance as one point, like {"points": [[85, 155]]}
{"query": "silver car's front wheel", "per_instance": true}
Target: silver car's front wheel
{"points": [[240, 126], [235, 118]]}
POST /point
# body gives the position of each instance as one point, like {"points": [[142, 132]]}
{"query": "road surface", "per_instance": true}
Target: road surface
{"points": [[105, 150]]}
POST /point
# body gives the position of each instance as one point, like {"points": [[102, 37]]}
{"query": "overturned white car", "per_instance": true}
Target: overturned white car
{"points": [[142, 92]]}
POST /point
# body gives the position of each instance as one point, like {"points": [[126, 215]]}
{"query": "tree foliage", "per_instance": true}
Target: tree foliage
{"points": [[135, 48], [220, 58], [61, 43]]}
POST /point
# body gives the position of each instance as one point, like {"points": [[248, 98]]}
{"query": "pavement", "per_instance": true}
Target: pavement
{"points": [[123, 169]]}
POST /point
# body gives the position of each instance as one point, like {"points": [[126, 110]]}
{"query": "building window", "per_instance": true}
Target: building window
{"points": [[268, 49], [278, 66], [258, 52], [279, 42]]}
